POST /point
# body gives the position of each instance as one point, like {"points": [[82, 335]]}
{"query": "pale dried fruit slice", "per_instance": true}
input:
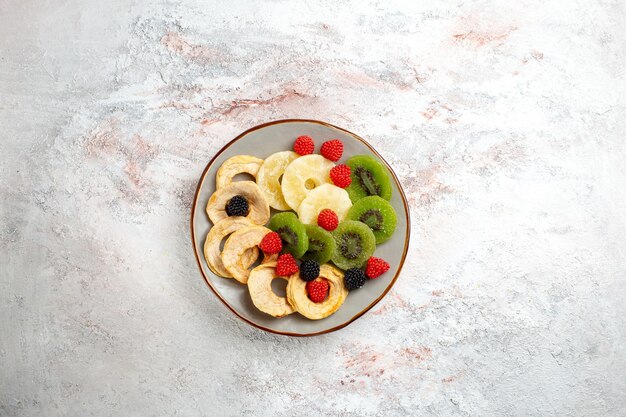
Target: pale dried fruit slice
{"points": [[212, 251], [337, 293], [268, 178], [326, 196], [237, 244], [263, 297], [259, 212], [303, 175], [239, 164]]}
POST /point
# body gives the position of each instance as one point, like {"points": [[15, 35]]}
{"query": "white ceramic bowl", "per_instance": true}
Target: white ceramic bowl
{"points": [[262, 141]]}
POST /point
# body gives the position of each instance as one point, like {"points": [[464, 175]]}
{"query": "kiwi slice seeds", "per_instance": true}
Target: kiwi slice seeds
{"points": [[377, 214]]}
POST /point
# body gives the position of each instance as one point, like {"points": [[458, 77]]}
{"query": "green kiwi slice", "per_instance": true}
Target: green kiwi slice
{"points": [[291, 231], [321, 244], [355, 244], [378, 214], [369, 177]]}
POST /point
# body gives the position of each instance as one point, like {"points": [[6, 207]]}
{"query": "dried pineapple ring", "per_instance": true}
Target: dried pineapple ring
{"points": [[236, 246], [212, 252], [237, 165], [263, 297], [302, 175], [259, 209], [326, 196], [337, 293], [268, 178]]}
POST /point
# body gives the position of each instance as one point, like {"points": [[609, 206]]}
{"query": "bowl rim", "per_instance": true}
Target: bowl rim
{"points": [[359, 314]]}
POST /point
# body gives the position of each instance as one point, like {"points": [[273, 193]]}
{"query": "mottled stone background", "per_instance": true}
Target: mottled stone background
{"points": [[505, 121]]}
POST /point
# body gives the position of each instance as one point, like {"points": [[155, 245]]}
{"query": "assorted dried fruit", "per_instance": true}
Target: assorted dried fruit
{"points": [[326, 213]]}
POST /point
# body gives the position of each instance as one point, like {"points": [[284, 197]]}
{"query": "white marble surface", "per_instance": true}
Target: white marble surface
{"points": [[505, 121]]}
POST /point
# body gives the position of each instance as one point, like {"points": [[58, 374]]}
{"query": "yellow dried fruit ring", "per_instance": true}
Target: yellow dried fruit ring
{"points": [[259, 212], [337, 293], [263, 297], [269, 175], [302, 175], [239, 164]]}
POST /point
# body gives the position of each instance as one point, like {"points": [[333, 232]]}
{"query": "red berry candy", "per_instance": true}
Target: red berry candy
{"points": [[327, 219], [340, 175], [286, 265], [333, 149], [304, 145], [271, 243], [317, 290], [376, 267]]}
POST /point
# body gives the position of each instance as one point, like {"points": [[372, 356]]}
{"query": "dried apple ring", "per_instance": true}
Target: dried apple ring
{"points": [[212, 251], [337, 293], [240, 164], [263, 297], [235, 247], [259, 210]]}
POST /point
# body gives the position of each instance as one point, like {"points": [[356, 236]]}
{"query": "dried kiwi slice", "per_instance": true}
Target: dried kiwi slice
{"points": [[291, 231], [321, 244], [369, 177], [377, 213], [355, 244]]}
